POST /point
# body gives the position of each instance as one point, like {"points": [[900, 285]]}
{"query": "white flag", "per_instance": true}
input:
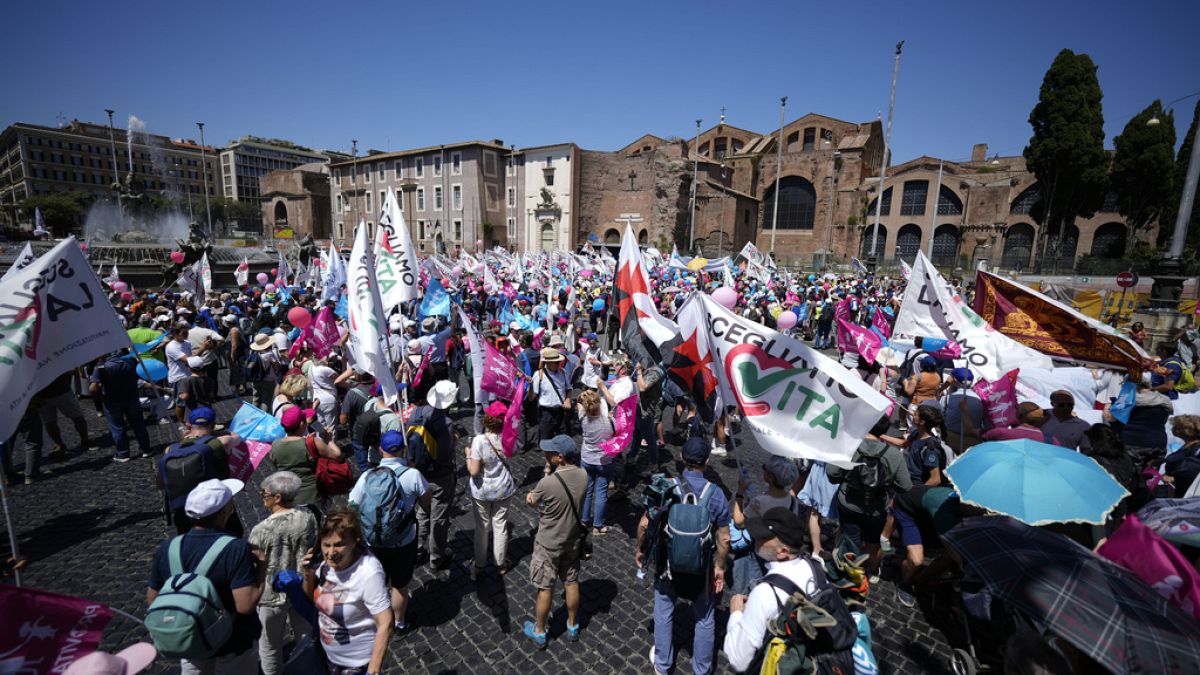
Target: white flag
{"points": [[53, 317], [242, 273], [190, 280], [729, 278], [368, 326], [25, 257], [395, 256], [284, 271], [931, 309], [112, 276], [334, 277], [205, 275], [797, 401], [477, 350]]}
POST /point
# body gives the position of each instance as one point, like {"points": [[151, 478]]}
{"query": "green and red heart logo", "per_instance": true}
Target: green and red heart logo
{"points": [[753, 373]]}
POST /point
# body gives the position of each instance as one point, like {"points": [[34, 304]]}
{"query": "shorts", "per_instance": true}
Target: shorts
{"points": [[398, 563], [911, 531], [545, 568], [862, 529], [66, 403]]}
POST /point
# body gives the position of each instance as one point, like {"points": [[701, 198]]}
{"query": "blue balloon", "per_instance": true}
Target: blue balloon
{"points": [[812, 277], [152, 370], [598, 305]]}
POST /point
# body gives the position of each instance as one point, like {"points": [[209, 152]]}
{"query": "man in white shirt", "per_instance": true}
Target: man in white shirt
{"points": [[177, 351], [593, 362], [779, 541]]}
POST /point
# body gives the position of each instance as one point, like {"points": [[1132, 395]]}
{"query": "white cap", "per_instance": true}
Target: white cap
{"points": [[132, 659], [195, 362], [208, 497], [442, 394]]}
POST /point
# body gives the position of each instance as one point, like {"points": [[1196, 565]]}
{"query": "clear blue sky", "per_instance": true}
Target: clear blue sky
{"points": [[400, 75]]}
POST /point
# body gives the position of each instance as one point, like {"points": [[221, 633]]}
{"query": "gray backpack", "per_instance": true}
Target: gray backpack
{"points": [[187, 619]]}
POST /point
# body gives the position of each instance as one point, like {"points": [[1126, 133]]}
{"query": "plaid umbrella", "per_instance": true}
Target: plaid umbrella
{"points": [[1176, 520], [1101, 608]]}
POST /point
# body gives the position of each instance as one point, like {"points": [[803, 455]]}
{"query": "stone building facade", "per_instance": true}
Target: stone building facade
{"points": [[295, 203], [544, 197]]}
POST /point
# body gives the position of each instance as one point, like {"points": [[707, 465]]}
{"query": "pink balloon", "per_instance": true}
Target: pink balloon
{"points": [[786, 320], [534, 284], [270, 288], [120, 286], [478, 243], [262, 277], [457, 270], [274, 270], [586, 273], [177, 257], [299, 317], [479, 269], [127, 296], [827, 286], [726, 296]]}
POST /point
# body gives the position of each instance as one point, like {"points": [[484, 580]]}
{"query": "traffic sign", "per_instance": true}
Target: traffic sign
{"points": [[1127, 279]]}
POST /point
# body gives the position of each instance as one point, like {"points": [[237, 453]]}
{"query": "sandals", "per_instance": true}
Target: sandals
{"points": [[603, 529]]}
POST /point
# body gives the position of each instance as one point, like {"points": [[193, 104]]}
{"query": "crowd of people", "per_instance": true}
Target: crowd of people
{"points": [[360, 492]]}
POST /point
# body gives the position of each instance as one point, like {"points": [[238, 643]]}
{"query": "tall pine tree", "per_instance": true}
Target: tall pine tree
{"points": [[1066, 152], [1143, 170]]}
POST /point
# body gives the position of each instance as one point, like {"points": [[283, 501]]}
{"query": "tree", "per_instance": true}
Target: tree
{"points": [[1066, 152], [1143, 169], [62, 211]]}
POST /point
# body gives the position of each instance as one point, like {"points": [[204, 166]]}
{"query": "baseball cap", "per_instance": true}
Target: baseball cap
{"points": [[696, 450], [591, 337], [293, 416], [928, 360], [496, 409], [134, 658], [559, 445], [390, 440], [777, 523], [783, 470], [208, 497], [963, 374], [203, 415]]}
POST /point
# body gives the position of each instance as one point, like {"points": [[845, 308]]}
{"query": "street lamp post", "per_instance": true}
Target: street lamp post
{"points": [[204, 169], [1169, 287], [778, 170], [695, 188], [112, 145], [354, 178], [887, 145]]}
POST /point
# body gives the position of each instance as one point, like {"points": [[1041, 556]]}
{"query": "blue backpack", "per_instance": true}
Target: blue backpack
{"points": [[691, 540], [185, 465], [385, 512]]}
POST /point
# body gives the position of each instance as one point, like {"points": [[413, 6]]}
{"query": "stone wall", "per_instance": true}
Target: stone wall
{"points": [[657, 192]]}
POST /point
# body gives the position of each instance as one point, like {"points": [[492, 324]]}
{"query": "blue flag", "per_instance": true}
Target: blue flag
{"points": [[1123, 406], [505, 314], [436, 301], [342, 310]]}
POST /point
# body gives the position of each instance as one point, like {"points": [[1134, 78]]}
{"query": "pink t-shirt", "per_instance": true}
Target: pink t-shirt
{"points": [[1022, 431]]}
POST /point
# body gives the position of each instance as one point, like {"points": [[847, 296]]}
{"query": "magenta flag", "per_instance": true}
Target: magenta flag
{"points": [[861, 341], [1156, 562], [623, 421], [245, 457], [512, 422], [841, 312], [43, 632], [321, 334], [499, 373], [880, 323], [1000, 399], [952, 350]]}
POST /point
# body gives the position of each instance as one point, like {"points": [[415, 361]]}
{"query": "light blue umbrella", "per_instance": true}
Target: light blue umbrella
{"points": [[1035, 483]]}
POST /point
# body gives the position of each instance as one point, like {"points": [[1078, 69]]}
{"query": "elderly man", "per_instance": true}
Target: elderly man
{"points": [[283, 538], [1062, 427], [553, 393]]}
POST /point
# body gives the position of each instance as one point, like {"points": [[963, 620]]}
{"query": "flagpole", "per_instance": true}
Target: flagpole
{"points": [[12, 534]]}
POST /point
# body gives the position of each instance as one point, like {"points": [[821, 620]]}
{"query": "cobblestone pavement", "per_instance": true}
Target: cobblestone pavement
{"points": [[90, 529]]}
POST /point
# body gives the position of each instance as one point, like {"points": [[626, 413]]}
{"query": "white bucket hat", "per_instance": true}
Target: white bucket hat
{"points": [[442, 394]]}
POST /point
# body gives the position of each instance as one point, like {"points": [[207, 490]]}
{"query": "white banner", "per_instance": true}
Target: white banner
{"points": [[190, 280], [242, 273], [930, 309], [54, 316], [334, 275], [797, 401], [205, 275], [283, 271], [25, 257], [395, 256], [476, 365], [367, 322]]}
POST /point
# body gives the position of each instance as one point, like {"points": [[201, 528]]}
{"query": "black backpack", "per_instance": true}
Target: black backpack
{"points": [[254, 369], [865, 484], [825, 643], [185, 465], [367, 428]]}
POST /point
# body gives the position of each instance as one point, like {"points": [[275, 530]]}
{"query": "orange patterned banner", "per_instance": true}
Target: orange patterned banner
{"points": [[1050, 327]]}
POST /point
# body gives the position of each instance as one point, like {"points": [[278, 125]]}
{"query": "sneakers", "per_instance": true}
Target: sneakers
{"points": [[572, 633], [539, 639], [656, 670], [718, 450], [120, 460], [905, 597]]}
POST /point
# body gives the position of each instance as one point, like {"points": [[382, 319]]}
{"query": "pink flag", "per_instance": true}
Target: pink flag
{"points": [[245, 457], [425, 358], [321, 334], [42, 632], [861, 341], [952, 350], [512, 422], [1000, 399], [499, 373], [841, 312], [880, 323], [624, 418], [1162, 566]]}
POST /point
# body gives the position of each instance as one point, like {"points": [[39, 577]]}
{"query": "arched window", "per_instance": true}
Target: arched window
{"points": [[1024, 202], [612, 236], [1109, 241], [948, 203], [547, 237], [945, 245], [1065, 252], [643, 237], [797, 204], [1018, 246], [912, 202], [908, 242], [880, 240], [886, 209], [281, 218]]}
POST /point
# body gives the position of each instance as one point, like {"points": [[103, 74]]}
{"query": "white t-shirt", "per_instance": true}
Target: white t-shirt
{"points": [[496, 482], [621, 389], [177, 355], [347, 601], [321, 378], [198, 335], [591, 373]]}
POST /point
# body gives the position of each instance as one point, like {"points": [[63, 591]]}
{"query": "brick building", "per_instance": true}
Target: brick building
{"points": [[295, 203]]}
